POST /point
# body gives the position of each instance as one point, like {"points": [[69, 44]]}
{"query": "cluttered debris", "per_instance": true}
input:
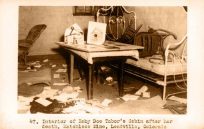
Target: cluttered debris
{"points": [[128, 97], [178, 99], [58, 96], [56, 76], [130, 90], [48, 105], [65, 101], [60, 84], [33, 66], [45, 60], [176, 108], [61, 70], [142, 91], [135, 94], [53, 66], [107, 76], [59, 76], [176, 105], [106, 102], [64, 65]]}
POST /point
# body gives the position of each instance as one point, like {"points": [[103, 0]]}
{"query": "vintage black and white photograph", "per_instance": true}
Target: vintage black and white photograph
{"points": [[108, 64], [102, 60]]}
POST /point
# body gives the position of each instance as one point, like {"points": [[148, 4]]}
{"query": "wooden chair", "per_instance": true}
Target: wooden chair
{"points": [[25, 44], [129, 34], [159, 64]]}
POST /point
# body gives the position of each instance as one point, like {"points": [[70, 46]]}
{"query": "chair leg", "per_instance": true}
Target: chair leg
{"points": [[22, 59], [25, 59]]}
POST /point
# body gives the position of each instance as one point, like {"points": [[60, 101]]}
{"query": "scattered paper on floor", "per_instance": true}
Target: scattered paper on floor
{"points": [[128, 97], [37, 66], [25, 100], [178, 99], [43, 102], [61, 70], [24, 104], [56, 76], [60, 84], [141, 90], [109, 79], [106, 102], [63, 97], [48, 93], [64, 65], [68, 89], [146, 94], [81, 107], [95, 102], [46, 60], [54, 66], [77, 89]]}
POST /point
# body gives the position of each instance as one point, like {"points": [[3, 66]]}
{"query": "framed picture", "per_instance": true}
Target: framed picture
{"points": [[85, 10], [96, 33]]}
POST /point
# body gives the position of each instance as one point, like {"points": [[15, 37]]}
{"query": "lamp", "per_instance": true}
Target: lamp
{"points": [[116, 17]]}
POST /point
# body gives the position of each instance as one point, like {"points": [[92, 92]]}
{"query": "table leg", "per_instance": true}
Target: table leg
{"points": [[120, 77], [90, 82], [97, 67], [71, 69]]}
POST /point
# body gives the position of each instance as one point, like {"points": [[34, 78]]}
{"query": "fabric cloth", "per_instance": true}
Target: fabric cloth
{"points": [[158, 67], [27, 90]]}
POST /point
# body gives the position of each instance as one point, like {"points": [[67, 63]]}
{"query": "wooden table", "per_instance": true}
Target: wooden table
{"points": [[93, 54]]}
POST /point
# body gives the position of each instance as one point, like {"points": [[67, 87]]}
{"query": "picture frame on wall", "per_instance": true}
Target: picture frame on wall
{"points": [[85, 10]]}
